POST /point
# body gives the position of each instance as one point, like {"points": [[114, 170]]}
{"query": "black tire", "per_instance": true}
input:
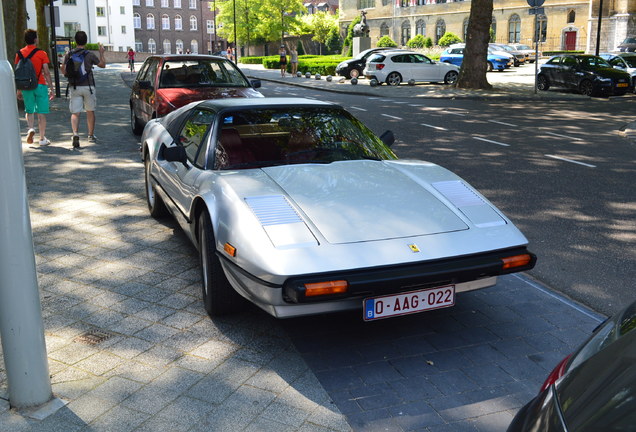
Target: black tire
{"points": [[489, 67], [156, 206], [451, 77], [542, 83], [354, 73], [586, 87], [394, 79], [219, 298], [136, 127]]}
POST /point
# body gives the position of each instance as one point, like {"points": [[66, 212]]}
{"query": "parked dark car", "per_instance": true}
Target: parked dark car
{"points": [[167, 82], [519, 57], [591, 75], [623, 61], [628, 45], [353, 68], [593, 389]]}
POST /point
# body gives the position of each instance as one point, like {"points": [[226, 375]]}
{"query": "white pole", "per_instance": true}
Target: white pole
{"points": [[21, 327]]}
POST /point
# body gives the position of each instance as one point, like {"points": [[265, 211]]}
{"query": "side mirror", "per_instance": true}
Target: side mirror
{"points": [[145, 85], [388, 138], [174, 154], [256, 83]]}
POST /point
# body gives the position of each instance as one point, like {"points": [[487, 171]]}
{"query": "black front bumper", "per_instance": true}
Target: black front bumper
{"points": [[371, 282]]}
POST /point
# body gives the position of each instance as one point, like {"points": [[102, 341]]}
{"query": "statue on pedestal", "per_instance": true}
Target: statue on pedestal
{"points": [[362, 28]]}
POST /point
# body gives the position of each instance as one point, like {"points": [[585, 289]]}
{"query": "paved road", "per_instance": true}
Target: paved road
{"points": [[130, 347]]}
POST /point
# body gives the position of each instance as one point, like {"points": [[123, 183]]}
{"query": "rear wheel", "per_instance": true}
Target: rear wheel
{"points": [[355, 73], [394, 79], [586, 87], [156, 207], [542, 83], [219, 298], [451, 77]]}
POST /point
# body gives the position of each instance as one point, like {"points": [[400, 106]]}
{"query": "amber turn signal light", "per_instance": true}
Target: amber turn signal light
{"points": [[229, 249], [516, 261], [326, 288]]}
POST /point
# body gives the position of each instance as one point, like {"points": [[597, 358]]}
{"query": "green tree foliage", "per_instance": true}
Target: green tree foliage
{"points": [[448, 39], [419, 41], [386, 41], [334, 43], [348, 42]]}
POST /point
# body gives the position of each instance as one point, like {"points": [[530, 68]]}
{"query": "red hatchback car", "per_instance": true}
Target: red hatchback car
{"points": [[167, 82]]}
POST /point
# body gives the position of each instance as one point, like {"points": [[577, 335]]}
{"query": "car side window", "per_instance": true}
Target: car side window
{"points": [[554, 61], [152, 72], [568, 62], [616, 61], [193, 133], [143, 71], [421, 59]]}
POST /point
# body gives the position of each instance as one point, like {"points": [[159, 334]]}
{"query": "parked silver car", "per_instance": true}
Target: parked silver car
{"points": [[298, 207]]}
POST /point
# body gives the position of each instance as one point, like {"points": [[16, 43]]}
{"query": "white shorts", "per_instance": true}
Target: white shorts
{"points": [[81, 99]]}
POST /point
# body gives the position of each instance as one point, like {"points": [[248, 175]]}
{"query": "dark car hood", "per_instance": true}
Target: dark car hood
{"points": [[610, 73], [183, 96]]}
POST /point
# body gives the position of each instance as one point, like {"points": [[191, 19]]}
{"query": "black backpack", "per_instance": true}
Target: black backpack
{"points": [[75, 69], [25, 76]]}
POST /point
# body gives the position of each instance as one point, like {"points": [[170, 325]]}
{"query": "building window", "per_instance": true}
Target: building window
{"points": [[384, 30], [152, 46], [150, 22], [366, 4], [209, 24], [139, 47], [406, 33], [101, 30], [440, 29], [193, 4], [123, 29], [542, 28], [571, 17], [70, 28], [136, 2], [167, 46], [465, 27], [178, 46], [514, 29], [122, 10], [420, 28], [193, 22], [178, 22], [136, 20], [165, 3], [177, 4], [165, 22], [150, 3], [69, 2], [100, 12], [194, 46]]}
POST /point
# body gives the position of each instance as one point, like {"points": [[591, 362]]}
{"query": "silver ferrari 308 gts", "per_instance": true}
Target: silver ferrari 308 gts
{"points": [[296, 206]]}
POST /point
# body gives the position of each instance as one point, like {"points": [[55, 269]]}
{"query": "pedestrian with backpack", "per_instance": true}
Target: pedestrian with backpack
{"points": [[78, 68], [34, 85]]}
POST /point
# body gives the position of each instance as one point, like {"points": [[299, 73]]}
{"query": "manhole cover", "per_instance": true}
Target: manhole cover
{"points": [[92, 337]]}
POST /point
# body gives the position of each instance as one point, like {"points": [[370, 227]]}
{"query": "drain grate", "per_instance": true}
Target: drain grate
{"points": [[92, 337]]}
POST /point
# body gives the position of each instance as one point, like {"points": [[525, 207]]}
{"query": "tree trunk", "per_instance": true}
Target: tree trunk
{"points": [[42, 29], [14, 14], [474, 66]]}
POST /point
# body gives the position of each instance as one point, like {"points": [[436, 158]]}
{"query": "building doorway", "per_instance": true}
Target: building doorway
{"points": [[570, 40]]}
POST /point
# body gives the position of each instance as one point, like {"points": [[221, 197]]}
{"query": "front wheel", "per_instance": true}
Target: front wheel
{"points": [[156, 207], [394, 79], [451, 77], [355, 73], [586, 87], [542, 83], [219, 298], [136, 127]]}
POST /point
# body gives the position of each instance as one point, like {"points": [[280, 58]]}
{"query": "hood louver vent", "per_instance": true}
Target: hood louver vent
{"points": [[273, 210]]}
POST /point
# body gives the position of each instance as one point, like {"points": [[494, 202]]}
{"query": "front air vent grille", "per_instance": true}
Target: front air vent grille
{"points": [[273, 210], [458, 193]]}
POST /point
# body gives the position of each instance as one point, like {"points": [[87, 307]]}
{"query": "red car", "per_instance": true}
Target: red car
{"points": [[167, 82]]}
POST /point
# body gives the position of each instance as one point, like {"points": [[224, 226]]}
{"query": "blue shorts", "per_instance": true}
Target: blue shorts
{"points": [[36, 100]]}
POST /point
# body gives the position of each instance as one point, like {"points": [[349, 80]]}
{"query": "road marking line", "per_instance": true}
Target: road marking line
{"points": [[415, 106], [491, 141], [393, 117], [434, 127], [564, 136], [386, 100], [502, 123], [454, 113], [570, 160], [359, 109], [400, 102]]}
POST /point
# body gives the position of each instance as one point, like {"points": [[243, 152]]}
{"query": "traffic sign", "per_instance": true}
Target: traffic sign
{"points": [[536, 10], [535, 3]]}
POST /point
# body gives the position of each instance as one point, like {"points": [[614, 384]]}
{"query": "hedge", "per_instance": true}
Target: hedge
{"points": [[324, 65], [552, 53]]}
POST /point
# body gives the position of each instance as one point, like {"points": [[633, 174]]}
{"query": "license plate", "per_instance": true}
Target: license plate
{"points": [[409, 302], [621, 85]]}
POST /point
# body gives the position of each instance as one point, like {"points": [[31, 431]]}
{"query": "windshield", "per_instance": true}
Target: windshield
{"points": [[292, 135], [593, 62], [200, 73]]}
